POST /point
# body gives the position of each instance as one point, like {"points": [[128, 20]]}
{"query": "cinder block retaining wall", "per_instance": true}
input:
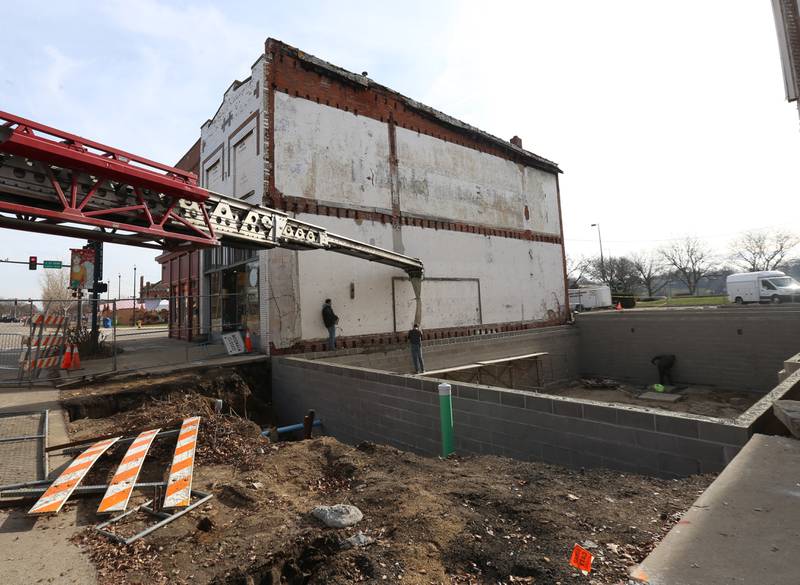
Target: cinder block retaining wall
{"points": [[561, 343], [738, 348], [359, 404]]}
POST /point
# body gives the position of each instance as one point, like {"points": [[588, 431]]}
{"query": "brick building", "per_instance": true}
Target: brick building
{"points": [[341, 151]]}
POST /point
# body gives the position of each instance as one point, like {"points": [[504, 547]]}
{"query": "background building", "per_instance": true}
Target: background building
{"points": [[336, 149]]}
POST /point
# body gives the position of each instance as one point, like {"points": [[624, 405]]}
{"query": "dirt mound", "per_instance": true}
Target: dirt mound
{"points": [[473, 520]]}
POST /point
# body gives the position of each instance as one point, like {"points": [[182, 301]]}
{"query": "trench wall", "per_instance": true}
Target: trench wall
{"points": [[358, 404], [739, 348]]}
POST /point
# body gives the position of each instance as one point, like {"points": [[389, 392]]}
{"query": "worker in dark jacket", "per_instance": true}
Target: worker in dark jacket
{"points": [[330, 320], [664, 363], [415, 340]]}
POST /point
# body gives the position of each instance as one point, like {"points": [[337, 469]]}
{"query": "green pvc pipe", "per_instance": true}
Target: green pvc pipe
{"points": [[446, 418]]}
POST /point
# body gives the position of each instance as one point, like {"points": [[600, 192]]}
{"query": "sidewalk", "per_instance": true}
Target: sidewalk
{"points": [[743, 529], [37, 549]]}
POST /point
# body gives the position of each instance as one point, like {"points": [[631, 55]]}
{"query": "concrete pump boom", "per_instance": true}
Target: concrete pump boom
{"points": [[59, 183]]}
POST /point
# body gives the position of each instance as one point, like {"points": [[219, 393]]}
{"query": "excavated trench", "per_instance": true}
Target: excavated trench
{"points": [[244, 390]]}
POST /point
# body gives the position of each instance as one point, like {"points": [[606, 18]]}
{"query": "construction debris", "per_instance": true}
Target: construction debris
{"points": [[470, 520], [599, 383]]}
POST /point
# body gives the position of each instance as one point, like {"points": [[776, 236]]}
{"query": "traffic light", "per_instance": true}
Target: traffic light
{"points": [[32, 262]]}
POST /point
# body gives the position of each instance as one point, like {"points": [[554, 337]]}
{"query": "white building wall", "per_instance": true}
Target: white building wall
{"points": [[333, 156], [446, 180], [231, 145], [519, 281], [232, 162], [330, 155]]}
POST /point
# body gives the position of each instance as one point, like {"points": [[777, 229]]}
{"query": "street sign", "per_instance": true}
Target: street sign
{"points": [[55, 264]]}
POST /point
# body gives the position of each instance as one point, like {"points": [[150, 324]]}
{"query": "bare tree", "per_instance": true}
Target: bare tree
{"points": [[689, 260], [761, 250], [650, 269], [55, 291], [617, 272], [576, 270]]}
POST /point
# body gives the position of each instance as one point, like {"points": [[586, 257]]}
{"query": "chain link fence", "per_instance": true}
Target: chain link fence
{"points": [[132, 335]]}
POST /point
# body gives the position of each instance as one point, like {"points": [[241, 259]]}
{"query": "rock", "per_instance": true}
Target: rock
{"points": [[587, 544], [338, 516], [357, 540], [572, 497]]}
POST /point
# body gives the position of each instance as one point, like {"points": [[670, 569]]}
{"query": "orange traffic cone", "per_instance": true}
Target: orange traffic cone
{"points": [[76, 358], [248, 343], [619, 306], [66, 361]]}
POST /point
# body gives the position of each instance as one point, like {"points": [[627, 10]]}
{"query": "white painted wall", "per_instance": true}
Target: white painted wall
{"points": [[330, 155], [520, 280], [232, 160], [446, 180]]}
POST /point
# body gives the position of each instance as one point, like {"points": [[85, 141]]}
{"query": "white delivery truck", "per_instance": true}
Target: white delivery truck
{"points": [[767, 286], [586, 298]]}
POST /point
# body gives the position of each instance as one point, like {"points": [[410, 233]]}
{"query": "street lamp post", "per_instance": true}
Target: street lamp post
{"points": [[119, 286], [134, 294], [602, 259]]}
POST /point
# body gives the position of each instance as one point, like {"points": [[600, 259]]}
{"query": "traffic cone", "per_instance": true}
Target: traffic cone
{"points": [[248, 343], [66, 361], [76, 358], [619, 306]]}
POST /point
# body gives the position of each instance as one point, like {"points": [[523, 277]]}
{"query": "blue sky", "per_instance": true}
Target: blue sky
{"points": [[667, 118]]}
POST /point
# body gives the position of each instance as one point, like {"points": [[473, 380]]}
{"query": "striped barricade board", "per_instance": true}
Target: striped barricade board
{"points": [[179, 484], [56, 495], [121, 486]]}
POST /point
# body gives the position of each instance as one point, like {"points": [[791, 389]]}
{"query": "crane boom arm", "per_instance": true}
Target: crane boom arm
{"points": [[59, 183]]}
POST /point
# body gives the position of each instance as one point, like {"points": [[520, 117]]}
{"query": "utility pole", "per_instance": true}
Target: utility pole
{"points": [[602, 260]]}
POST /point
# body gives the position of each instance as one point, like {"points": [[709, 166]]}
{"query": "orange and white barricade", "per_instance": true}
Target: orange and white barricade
{"points": [[121, 486], [179, 484], [56, 495]]}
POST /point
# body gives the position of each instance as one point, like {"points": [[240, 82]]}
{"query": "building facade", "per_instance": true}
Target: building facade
{"points": [[337, 149]]}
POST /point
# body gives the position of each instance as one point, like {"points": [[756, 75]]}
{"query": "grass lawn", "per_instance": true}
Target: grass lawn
{"points": [[685, 302]]}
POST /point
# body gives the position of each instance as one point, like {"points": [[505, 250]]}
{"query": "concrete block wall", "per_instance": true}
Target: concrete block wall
{"points": [[560, 342], [359, 404], [738, 348]]}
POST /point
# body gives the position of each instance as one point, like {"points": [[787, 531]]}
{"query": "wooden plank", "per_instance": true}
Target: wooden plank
{"points": [[513, 358], [453, 369]]}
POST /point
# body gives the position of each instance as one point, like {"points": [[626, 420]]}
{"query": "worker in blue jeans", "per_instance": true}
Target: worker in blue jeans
{"points": [[330, 319], [415, 340]]}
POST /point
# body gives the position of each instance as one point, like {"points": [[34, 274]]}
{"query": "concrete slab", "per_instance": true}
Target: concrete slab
{"points": [[661, 397], [788, 412], [743, 529]]}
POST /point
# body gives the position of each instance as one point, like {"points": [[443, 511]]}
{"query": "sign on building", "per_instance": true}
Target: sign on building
{"points": [[233, 342], [81, 273]]}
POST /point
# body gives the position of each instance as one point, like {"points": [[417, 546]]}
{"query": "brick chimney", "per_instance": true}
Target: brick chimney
{"points": [[516, 141]]}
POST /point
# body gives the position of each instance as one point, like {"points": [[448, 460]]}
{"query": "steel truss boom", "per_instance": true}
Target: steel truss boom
{"points": [[58, 183]]}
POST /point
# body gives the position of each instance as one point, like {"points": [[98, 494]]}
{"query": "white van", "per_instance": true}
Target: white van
{"points": [[589, 297], [771, 286]]}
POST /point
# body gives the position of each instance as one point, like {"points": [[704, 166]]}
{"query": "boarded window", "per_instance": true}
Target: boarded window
{"points": [[214, 176], [244, 165]]}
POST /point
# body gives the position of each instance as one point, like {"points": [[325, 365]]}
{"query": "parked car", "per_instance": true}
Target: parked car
{"points": [[767, 286]]}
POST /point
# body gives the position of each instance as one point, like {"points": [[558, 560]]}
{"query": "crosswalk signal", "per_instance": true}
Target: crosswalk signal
{"points": [[32, 262]]}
